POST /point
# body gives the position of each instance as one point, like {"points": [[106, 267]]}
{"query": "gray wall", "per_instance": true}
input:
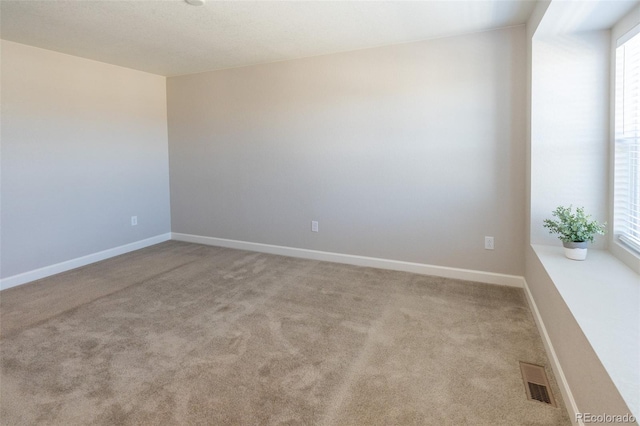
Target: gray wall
{"points": [[570, 128], [84, 148], [412, 152]]}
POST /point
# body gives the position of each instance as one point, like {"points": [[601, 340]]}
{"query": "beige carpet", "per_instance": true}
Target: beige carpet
{"points": [[182, 333]]}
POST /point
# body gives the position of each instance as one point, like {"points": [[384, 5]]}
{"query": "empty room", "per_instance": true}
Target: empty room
{"points": [[319, 212]]}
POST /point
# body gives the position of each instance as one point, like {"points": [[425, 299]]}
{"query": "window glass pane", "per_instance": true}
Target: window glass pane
{"points": [[627, 144]]}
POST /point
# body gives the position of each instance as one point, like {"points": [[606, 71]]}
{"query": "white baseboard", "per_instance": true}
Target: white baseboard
{"points": [[567, 396], [396, 265], [46, 271]]}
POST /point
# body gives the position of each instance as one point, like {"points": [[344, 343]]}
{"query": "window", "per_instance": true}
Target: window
{"points": [[627, 141]]}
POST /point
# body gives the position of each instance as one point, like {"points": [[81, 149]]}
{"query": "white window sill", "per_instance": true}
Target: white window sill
{"points": [[603, 294]]}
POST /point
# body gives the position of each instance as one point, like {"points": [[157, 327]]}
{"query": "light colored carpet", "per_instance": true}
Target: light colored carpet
{"points": [[181, 333]]}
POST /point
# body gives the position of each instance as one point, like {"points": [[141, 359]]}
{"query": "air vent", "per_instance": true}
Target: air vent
{"points": [[536, 383]]}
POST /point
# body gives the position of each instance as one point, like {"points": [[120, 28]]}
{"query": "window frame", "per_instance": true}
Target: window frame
{"points": [[618, 248]]}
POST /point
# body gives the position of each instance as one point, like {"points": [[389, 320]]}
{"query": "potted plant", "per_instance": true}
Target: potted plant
{"points": [[574, 230]]}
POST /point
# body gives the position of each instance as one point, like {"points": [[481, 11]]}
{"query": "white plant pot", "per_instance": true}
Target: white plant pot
{"points": [[575, 251]]}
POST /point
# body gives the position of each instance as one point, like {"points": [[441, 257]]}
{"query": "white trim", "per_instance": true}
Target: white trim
{"points": [[565, 390], [627, 36], [46, 271], [373, 262]]}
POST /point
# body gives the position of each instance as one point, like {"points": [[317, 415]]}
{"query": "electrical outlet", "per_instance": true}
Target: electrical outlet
{"points": [[488, 243], [134, 220], [314, 226]]}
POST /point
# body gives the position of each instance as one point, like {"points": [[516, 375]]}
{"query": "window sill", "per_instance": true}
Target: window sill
{"points": [[603, 294], [625, 254]]}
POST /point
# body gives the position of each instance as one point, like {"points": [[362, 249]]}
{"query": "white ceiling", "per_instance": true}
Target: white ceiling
{"points": [[578, 16], [170, 37]]}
